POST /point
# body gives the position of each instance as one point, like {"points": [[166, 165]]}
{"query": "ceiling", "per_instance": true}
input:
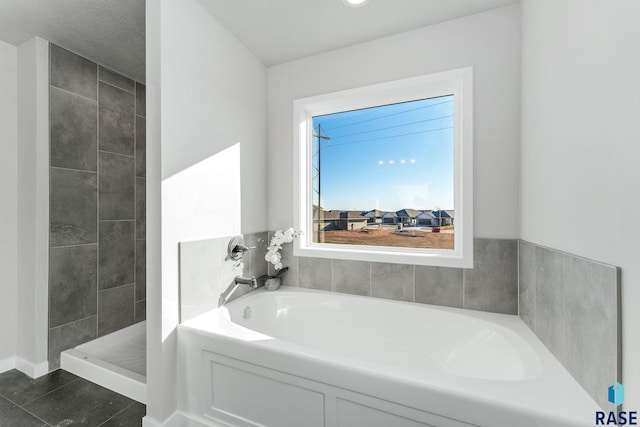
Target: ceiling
{"points": [[111, 32], [279, 31]]}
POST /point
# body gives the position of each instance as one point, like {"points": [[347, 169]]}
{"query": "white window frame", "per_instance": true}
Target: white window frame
{"points": [[455, 82]]}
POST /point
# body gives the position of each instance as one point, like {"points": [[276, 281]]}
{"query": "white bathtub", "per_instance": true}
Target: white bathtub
{"points": [[303, 358]]}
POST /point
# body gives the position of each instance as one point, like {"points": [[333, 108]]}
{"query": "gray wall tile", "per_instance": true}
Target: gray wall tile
{"points": [[141, 270], [68, 336], [117, 196], [73, 276], [492, 284], [141, 208], [290, 278], [439, 286], [116, 263], [116, 120], [141, 147], [253, 260], [141, 311], [141, 99], [314, 273], [526, 285], [576, 312], [591, 304], [73, 73], [115, 79], [351, 277], [74, 131], [115, 309], [392, 281], [73, 207], [549, 282]]}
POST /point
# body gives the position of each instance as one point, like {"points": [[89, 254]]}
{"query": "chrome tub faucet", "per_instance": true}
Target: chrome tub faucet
{"points": [[252, 282]]}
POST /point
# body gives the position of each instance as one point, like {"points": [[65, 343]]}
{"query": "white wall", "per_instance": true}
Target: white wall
{"points": [[489, 42], [580, 149], [206, 100], [8, 202], [33, 206]]}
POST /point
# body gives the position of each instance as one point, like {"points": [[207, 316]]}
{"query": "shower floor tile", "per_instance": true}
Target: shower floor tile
{"points": [[61, 398]]}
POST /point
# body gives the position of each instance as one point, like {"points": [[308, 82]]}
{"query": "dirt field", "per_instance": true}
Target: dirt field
{"points": [[413, 238]]}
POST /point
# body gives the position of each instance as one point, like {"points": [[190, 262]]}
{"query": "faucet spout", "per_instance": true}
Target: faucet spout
{"points": [[252, 282]]}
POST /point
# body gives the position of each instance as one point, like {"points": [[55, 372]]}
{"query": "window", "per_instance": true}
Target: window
{"points": [[384, 172]]}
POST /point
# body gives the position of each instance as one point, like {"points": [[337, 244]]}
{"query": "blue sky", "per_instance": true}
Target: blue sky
{"points": [[389, 157]]}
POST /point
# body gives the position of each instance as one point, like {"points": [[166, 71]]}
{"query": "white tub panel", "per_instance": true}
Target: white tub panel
{"points": [[271, 401], [351, 414]]}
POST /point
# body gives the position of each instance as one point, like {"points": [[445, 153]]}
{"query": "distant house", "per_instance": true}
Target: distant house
{"points": [[352, 220], [389, 218], [338, 220], [374, 216], [425, 218], [452, 215], [443, 217], [327, 220], [407, 216]]}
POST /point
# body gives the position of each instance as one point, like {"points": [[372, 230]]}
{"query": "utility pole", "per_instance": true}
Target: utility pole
{"points": [[318, 210]]}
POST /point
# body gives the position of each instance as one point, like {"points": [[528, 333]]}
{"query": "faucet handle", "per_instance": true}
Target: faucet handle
{"points": [[243, 248], [236, 248]]}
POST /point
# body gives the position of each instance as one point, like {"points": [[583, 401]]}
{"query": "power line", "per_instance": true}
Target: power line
{"points": [[388, 137], [391, 127], [389, 115]]}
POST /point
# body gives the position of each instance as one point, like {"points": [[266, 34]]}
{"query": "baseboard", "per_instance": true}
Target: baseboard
{"points": [[7, 364], [33, 370], [180, 420]]}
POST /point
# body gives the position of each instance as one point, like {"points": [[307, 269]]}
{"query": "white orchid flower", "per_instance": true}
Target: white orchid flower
{"points": [[279, 238]]}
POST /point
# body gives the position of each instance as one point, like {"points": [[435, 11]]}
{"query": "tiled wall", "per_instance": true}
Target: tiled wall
{"points": [[571, 304], [97, 202], [492, 285]]}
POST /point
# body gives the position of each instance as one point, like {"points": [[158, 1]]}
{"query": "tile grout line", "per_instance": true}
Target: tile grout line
{"points": [[48, 393], [8, 399], [34, 415], [98, 203], [72, 169], [73, 246], [370, 278], [117, 413], [135, 200], [52, 86], [518, 278], [74, 321], [414, 283], [119, 154], [113, 85]]}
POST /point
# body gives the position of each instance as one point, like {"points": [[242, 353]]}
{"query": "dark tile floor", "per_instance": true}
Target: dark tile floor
{"points": [[63, 399]]}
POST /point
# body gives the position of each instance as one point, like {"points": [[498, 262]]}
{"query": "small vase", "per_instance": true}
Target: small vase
{"points": [[272, 283]]}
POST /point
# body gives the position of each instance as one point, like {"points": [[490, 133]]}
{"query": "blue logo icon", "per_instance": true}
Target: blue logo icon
{"points": [[616, 394]]}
